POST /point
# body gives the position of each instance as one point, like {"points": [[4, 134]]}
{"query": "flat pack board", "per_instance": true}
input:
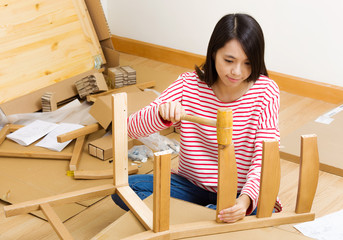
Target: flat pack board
{"points": [[184, 212], [42, 43], [330, 142]]}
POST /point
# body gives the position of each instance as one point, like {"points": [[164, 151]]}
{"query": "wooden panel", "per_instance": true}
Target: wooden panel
{"points": [[42, 43], [309, 173], [270, 178]]}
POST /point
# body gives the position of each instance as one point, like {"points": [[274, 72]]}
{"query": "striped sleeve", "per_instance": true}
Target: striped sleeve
{"points": [[147, 120], [267, 129]]}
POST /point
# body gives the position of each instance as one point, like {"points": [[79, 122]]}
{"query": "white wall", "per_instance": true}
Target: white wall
{"points": [[304, 38]]}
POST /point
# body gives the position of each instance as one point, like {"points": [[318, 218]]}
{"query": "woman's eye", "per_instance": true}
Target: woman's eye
{"points": [[247, 63], [229, 61]]}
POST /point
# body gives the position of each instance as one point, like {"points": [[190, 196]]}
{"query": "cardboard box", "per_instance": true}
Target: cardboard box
{"points": [[329, 139], [47, 50], [136, 99]]}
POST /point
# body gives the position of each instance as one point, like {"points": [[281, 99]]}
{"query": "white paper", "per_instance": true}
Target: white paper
{"points": [[324, 120], [32, 132], [50, 140], [329, 227]]}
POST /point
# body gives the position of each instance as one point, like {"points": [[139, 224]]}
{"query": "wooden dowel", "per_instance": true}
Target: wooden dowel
{"points": [[227, 167], [77, 152], [80, 195], [200, 120], [78, 132], [101, 174], [55, 222], [270, 178], [161, 195], [308, 173], [45, 155]]}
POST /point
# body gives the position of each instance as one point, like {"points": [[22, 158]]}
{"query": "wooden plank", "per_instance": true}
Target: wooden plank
{"points": [[88, 29], [35, 154], [42, 41], [161, 196], [4, 131], [200, 120], [77, 152], [55, 222], [101, 174], [308, 173], [78, 132], [80, 195], [270, 178], [119, 135], [137, 206], [204, 228], [227, 167]]}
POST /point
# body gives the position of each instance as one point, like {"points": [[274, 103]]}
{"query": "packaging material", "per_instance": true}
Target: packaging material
{"points": [[118, 77], [73, 112], [329, 143], [91, 84], [159, 143], [140, 153], [32, 132], [101, 110], [101, 147], [98, 17], [49, 102], [38, 54]]}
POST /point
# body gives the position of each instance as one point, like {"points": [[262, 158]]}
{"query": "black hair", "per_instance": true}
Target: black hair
{"points": [[246, 30]]}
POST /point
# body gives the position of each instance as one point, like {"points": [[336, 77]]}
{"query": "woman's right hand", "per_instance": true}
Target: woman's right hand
{"points": [[171, 111]]}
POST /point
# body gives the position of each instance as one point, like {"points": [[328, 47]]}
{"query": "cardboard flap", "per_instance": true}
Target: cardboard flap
{"points": [[137, 99]]}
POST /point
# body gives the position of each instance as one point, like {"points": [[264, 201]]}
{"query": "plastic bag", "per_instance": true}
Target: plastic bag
{"points": [[140, 153], [159, 143]]}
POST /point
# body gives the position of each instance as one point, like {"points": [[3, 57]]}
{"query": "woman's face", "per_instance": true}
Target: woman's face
{"points": [[232, 64]]}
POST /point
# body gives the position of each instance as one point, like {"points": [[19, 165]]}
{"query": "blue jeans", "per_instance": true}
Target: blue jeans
{"points": [[180, 188]]}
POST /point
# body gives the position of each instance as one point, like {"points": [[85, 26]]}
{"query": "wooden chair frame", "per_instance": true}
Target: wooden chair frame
{"points": [[156, 222]]}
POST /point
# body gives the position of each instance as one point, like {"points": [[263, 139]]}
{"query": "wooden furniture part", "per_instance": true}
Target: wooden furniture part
{"points": [[161, 211], [156, 224], [227, 167], [101, 174], [309, 173], [73, 157], [270, 178], [50, 42]]}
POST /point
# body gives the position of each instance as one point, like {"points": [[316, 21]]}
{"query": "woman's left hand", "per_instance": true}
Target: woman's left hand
{"points": [[236, 212]]}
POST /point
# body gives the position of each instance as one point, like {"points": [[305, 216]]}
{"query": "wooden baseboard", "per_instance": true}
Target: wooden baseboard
{"points": [[295, 85]]}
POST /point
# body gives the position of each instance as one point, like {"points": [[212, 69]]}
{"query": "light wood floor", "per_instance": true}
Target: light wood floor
{"points": [[295, 111]]}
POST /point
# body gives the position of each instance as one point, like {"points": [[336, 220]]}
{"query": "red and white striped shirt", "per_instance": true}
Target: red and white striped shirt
{"points": [[255, 118]]}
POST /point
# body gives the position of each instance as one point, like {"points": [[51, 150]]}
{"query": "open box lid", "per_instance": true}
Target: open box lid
{"points": [[43, 43]]}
